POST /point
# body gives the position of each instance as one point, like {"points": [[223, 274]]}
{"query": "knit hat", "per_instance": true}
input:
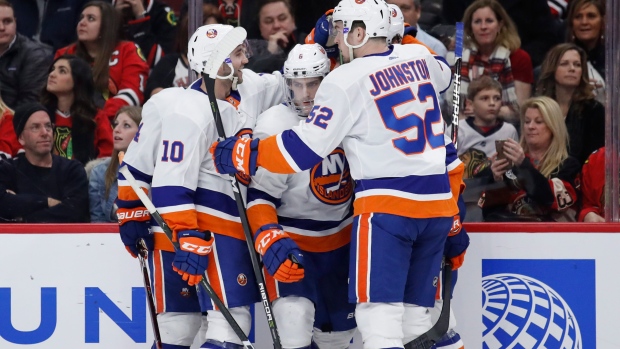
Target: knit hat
{"points": [[23, 113]]}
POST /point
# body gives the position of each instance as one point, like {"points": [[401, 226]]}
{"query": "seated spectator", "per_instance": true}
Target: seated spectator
{"points": [[103, 185], [593, 188], [536, 27], [279, 36], [477, 135], [149, 23], [9, 145], [538, 171], [119, 69], [22, 62], [586, 28], [564, 79], [492, 47], [412, 10], [173, 69], [38, 187], [80, 131], [53, 25]]}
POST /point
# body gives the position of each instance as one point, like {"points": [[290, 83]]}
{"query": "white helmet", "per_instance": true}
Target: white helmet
{"points": [[304, 61], [397, 25], [374, 13], [208, 40]]}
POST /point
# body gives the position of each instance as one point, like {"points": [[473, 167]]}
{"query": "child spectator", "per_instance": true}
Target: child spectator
{"points": [[119, 69], [103, 185], [564, 78], [593, 188], [149, 23], [477, 135], [9, 145], [80, 131], [38, 187]]}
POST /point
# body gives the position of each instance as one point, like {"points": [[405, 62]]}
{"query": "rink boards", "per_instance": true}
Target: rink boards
{"points": [[522, 285]]}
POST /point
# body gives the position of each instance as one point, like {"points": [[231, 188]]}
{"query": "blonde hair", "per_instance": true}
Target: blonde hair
{"points": [[3, 109], [507, 36], [552, 116], [135, 114]]}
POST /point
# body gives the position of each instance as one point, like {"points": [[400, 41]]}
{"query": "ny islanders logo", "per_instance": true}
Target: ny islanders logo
{"points": [[211, 33], [538, 304], [330, 180]]}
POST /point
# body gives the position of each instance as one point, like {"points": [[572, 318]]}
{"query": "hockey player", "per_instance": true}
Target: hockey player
{"points": [[311, 212], [167, 153], [383, 107]]}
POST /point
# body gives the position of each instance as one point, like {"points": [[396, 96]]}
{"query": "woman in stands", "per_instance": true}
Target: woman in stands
{"points": [[119, 69], [9, 145], [538, 171], [586, 28], [565, 79], [492, 47], [103, 186], [80, 131]]}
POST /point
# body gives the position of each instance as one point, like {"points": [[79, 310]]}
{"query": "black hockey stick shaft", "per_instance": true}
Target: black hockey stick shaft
{"points": [[428, 339], [456, 93], [142, 257], [203, 282], [256, 265]]}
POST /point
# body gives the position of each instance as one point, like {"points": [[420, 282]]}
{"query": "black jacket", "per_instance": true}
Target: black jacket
{"points": [[64, 181], [23, 71], [585, 123], [59, 20]]}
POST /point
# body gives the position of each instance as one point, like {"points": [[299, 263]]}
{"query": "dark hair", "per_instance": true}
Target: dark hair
{"points": [[109, 37], [83, 109], [484, 82], [546, 82], [6, 3], [287, 3]]}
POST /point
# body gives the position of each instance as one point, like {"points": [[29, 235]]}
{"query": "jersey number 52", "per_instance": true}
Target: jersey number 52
{"points": [[406, 123]]}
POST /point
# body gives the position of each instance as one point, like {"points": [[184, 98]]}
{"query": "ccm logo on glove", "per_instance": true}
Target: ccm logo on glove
{"points": [[269, 238], [239, 151], [122, 215], [198, 247]]}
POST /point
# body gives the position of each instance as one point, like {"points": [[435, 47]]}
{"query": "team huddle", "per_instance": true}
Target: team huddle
{"points": [[351, 190]]}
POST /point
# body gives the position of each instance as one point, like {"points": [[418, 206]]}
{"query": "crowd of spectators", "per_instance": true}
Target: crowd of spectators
{"points": [[74, 74]]}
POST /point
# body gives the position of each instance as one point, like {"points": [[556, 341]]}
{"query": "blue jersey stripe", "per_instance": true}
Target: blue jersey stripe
{"points": [[450, 153], [217, 201], [303, 156], [422, 185], [172, 196], [255, 194], [139, 176]]}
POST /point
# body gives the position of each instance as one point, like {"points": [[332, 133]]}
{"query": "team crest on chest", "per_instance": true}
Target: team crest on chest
{"points": [[330, 180]]}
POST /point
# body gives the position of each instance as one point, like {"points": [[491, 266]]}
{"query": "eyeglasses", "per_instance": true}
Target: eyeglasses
{"points": [[37, 127]]}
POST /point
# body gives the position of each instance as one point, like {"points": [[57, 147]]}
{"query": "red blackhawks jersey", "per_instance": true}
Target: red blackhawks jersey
{"points": [[128, 73], [63, 142], [9, 145], [593, 185]]}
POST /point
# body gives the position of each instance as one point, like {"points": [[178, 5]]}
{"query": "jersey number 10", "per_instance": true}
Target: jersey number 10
{"points": [[404, 124], [172, 152]]}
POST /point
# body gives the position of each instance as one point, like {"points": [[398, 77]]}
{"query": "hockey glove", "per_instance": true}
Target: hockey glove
{"points": [[321, 33], [191, 259], [234, 155], [281, 255], [134, 224], [458, 240]]}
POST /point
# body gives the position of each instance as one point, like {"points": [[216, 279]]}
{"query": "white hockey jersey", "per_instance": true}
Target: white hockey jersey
{"points": [[313, 206], [170, 156], [258, 92], [384, 109]]}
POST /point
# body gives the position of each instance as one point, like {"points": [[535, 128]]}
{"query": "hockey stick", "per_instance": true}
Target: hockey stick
{"points": [[207, 287], [456, 93], [427, 340], [218, 57], [142, 257]]}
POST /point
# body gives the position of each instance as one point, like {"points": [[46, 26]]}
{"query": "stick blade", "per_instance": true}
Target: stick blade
{"points": [[232, 39]]}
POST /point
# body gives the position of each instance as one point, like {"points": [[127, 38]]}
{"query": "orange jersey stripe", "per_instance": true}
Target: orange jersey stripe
{"points": [[456, 180], [181, 220], [363, 253], [213, 276], [270, 156], [261, 214], [322, 243], [126, 193], [271, 285], [159, 282], [405, 207], [220, 226], [161, 242]]}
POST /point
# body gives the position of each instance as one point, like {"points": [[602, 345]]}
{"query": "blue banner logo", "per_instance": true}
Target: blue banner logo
{"points": [[538, 304]]}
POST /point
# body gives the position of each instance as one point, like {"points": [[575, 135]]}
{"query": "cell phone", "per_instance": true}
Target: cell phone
{"points": [[499, 148]]}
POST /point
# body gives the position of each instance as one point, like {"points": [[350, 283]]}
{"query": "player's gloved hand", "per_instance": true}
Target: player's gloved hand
{"points": [[281, 255], [321, 32], [234, 155], [191, 259], [456, 226], [134, 224], [456, 245]]}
